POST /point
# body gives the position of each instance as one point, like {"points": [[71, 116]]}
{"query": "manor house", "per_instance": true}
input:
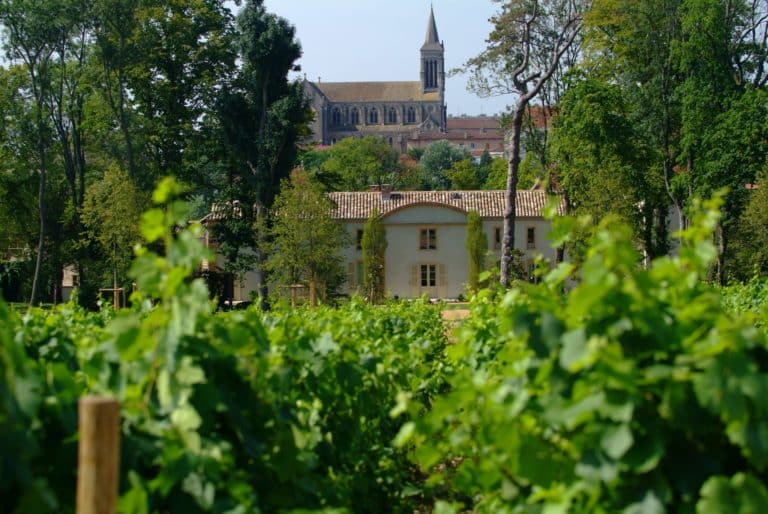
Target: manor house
{"points": [[392, 110]]}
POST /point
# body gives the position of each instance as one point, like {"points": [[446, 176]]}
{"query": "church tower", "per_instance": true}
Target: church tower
{"points": [[433, 65]]}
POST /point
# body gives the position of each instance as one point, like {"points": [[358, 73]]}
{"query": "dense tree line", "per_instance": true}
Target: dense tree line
{"points": [[108, 96], [668, 103], [651, 103]]}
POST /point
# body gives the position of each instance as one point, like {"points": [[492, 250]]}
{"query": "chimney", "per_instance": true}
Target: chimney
{"points": [[386, 191], [374, 188]]}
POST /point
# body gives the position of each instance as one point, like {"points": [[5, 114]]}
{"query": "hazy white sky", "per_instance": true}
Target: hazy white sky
{"points": [[371, 40]]}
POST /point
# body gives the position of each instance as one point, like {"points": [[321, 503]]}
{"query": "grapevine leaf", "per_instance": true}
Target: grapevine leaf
{"points": [[153, 225], [186, 418], [616, 441], [742, 494], [574, 349], [649, 505], [443, 507], [164, 394]]}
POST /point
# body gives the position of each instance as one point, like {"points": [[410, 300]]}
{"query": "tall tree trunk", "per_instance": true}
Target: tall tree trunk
{"points": [[508, 236], [261, 213], [722, 246], [118, 110], [261, 256], [661, 230], [648, 222], [41, 151], [312, 291]]}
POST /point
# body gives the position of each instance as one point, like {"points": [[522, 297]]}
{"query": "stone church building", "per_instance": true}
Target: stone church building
{"points": [[394, 111]]}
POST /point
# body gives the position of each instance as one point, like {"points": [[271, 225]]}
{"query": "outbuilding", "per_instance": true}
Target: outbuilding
{"points": [[426, 233]]}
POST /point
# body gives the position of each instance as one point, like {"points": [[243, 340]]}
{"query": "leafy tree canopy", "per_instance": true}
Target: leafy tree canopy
{"points": [[306, 240], [354, 164], [437, 159]]}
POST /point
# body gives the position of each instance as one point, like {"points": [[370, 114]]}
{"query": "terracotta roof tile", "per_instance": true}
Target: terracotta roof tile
{"points": [[490, 204], [375, 92], [474, 123]]}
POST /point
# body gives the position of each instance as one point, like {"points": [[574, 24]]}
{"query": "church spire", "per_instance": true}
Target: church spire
{"points": [[431, 41]]}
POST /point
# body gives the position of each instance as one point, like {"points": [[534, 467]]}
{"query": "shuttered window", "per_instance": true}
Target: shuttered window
{"points": [[428, 274], [530, 237], [428, 239]]}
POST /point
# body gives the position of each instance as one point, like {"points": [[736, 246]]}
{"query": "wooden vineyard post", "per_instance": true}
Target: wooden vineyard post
{"points": [[98, 459]]}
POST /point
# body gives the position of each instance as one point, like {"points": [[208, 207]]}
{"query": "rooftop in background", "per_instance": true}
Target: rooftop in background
{"points": [[489, 204], [375, 91]]}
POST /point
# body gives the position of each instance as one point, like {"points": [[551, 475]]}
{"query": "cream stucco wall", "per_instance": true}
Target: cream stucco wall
{"points": [[404, 258]]}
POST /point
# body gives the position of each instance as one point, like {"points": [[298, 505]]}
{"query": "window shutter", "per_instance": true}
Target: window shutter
{"points": [[442, 280], [414, 280]]}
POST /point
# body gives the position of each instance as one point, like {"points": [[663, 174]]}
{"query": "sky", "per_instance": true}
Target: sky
{"points": [[374, 40]]}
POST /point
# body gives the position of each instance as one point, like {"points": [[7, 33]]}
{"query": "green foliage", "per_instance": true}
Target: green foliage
{"points": [[374, 247], [691, 79], [749, 246], [39, 386], [631, 392], [529, 173], [602, 161], [497, 174], [750, 298], [464, 175], [354, 164], [437, 160], [306, 241], [477, 248], [262, 116], [634, 391], [111, 213], [237, 412]]}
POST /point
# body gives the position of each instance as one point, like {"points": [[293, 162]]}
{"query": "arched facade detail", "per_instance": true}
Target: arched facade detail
{"points": [[392, 115], [410, 116]]}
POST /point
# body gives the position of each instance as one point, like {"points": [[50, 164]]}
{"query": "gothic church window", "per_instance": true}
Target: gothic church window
{"points": [[392, 115], [373, 115], [354, 116], [431, 74], [411, 116], [336, 116]]}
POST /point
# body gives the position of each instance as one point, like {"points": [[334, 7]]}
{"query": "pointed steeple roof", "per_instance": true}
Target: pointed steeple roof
{"points": [[431, 41]]}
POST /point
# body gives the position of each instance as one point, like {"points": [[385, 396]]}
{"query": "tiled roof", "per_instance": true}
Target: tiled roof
{"points": [[375, 92], [473, 123], [489, 204], [454, 136], [540, 116]]}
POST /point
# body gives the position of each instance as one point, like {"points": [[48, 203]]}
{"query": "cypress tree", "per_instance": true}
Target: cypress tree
{"points": [[477, 246], [374, 246]]}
